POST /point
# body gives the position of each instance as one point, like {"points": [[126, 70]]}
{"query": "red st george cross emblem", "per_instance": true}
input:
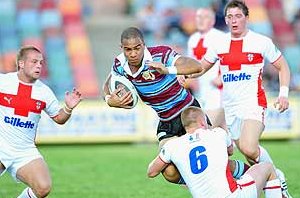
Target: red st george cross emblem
{"points": [[236, 57], [199, 50], [22, 102]]}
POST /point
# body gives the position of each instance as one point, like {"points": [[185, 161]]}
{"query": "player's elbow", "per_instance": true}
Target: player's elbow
{"points": [[151, 172]]}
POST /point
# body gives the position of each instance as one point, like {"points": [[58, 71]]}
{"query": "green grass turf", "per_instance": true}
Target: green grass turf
{"points": [[119, 171]]}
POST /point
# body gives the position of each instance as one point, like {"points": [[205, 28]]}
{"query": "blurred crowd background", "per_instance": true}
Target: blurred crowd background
{"points": [[81, 37]]}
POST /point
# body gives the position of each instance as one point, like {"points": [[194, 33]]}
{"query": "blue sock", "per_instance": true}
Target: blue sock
{"points": [[240, 169]]}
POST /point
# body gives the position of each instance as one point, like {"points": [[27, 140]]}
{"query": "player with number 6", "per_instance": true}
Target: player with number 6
{"points": [[243, 54]]}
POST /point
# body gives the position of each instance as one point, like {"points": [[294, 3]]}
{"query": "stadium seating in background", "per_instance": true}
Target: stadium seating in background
{"points": [[9, 41], [283, 32], [78, 48], [259, 21], [48, 24]]}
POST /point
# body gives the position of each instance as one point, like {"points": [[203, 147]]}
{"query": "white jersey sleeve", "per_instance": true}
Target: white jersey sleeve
{"points": [[226, 136], [165, 152], [52, 104], [271, 53]]}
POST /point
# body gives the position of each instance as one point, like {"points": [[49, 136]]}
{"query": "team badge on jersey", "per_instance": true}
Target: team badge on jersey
{"points": [[7, 99], [38, 105], [147, 75], [250, 57]]}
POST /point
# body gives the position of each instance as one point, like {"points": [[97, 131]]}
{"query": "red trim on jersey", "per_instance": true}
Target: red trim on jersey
{"points": [[231, 181], [22, 102], [220, 87], [199, 50], [209, 61], [277, 59], [236, 57], [163, 160], [246, 184], [261, 96], [271, 187]]}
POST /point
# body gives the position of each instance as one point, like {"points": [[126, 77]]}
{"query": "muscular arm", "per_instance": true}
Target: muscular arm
{"points": [[62, 117], [284, 71], [155, 167], [281, 65], [184, 66]]}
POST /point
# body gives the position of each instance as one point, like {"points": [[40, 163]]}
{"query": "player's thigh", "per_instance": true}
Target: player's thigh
{"points": [[217, 118], [251, 131], [35, 174]]}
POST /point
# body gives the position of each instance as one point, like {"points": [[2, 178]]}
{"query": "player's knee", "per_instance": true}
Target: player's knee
{"points": [[171, 173], [43, 189], [249, 152]]}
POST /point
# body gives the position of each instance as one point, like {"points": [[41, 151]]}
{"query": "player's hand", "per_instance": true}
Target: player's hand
{"points": [[230, 150], [181, 80], [120, 98], [158, 66], [73, 98], [281, 104]]}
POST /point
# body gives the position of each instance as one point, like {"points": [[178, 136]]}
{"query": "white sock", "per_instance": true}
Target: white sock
{"points": [[273, 189], [264, 155], [27, 193]]}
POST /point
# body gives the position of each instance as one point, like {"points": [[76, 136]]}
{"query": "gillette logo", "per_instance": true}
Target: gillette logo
{"points": [[234, 78], [18, 123]]}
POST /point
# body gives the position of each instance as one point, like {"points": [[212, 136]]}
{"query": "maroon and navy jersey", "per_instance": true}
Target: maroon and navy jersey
{"points": [[162, 92], [21, 105]]}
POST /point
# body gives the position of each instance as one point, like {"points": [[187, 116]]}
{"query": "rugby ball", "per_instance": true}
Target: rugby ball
{"points": [[121, 81]]}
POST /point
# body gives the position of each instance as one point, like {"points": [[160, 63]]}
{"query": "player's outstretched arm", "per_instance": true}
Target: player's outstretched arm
{"points": [[155, 167], [183, 66], [72, 99]]}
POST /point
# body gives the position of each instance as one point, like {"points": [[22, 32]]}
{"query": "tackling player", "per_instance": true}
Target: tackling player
{"points": [[161, 92], [22, 99], [242, 55], [201, 157]]}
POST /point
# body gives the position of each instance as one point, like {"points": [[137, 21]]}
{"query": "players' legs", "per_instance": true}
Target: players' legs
{"points": [[36, 175], [265, 178], [248, 142], [217, 118]]}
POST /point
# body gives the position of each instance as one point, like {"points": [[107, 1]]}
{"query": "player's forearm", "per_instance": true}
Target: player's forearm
{"points": [[186, 66], [283, 70], [63, 115], [106, 86], [284, 76]]}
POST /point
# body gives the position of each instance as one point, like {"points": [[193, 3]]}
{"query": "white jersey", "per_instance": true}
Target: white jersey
{"points": [[197, 46], [202, 160], [20, 110], [241, 62]]}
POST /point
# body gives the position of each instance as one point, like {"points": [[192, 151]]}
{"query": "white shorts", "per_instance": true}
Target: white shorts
{"points": [[14, 159], [246, 188], [234, 118]]}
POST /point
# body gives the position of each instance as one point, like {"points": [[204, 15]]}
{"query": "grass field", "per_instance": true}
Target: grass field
{"points": [[119, 171]]}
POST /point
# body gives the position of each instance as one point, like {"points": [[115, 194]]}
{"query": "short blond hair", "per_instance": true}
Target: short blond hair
{"points": [[22, 53], [191, 115]]}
